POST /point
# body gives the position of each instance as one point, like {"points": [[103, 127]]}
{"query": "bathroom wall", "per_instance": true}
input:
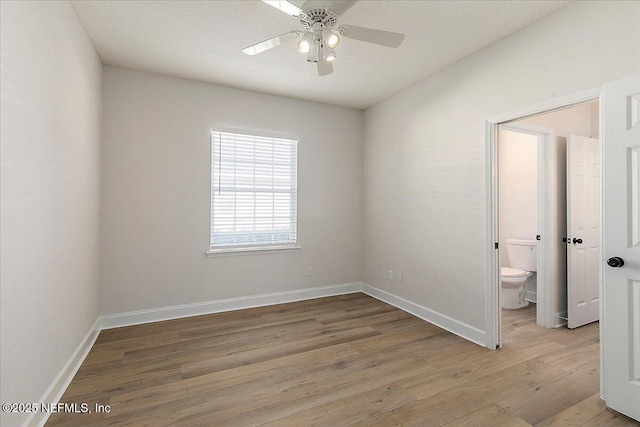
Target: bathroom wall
{"points": [[595, 119], [518, 188], [518, 193], [579, 120]]}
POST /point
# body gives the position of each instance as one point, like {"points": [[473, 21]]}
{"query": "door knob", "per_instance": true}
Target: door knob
{"points": [[578, 241], [615, 261]]}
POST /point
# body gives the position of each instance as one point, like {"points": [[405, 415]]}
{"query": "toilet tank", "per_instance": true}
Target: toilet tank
{"points": [[522, 254]]}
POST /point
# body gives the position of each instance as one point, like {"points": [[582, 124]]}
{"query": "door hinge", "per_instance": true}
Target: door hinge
{"points": [[496, 245], [538, 237]]}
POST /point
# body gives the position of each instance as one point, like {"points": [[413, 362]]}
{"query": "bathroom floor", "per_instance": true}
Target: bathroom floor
{"points": [[514, 320], [519, 328], [577, 361]]}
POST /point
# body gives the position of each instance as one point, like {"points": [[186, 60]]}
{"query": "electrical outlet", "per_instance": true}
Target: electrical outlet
{"points": [[390, 275], [309, 271], [86, 308], [400, 277]]}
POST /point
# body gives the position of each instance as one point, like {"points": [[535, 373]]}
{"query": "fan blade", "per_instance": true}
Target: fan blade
{"points": [[315, 4], [336, 6], [341, 6], [285, 6], [324, 67], [271, 43], [369, 35], [298, 3]]}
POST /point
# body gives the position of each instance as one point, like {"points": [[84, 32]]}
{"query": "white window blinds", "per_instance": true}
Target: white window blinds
{"points": [[253, 191]]}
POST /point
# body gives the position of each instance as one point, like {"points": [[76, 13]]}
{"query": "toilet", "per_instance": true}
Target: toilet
{"points": [[524, 261]]}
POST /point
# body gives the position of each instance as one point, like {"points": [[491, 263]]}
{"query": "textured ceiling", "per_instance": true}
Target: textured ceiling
{"points": [[202, 40]]}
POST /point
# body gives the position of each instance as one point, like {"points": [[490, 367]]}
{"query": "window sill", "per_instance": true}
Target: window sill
{"points": [[252, 251]]}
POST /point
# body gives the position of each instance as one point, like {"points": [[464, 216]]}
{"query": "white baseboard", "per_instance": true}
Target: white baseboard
{"points": [[561, 319], [531, 296], [209, 307], [456, 327], [218, 306], [61, 382]]}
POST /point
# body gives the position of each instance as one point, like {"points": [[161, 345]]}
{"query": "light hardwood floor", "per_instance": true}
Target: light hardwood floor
{"points": [[337, 361]]}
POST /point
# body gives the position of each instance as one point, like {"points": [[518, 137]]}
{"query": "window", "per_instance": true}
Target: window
{"points": [[253, 192]]}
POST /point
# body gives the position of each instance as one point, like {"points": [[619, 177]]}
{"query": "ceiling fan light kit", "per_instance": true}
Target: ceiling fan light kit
{"points": [[318, 39], [306, 41], [331, 38], [329, 54], [314, 54]]}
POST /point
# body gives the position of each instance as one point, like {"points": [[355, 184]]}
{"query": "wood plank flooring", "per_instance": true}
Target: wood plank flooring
{"points": [[346, 360]]}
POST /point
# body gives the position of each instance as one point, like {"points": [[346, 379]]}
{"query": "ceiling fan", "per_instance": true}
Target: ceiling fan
{"points": [[319, 36]]}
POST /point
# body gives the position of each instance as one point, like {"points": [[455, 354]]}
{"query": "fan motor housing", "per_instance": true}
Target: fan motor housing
{"points": [[324, 16]]}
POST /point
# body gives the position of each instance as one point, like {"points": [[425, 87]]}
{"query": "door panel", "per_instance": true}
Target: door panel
{"points": [[583, 230], [621, 222]]}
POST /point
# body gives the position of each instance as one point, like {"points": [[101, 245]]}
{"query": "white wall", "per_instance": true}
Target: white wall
{"points": [[50, 133], [595, 119], [578, 120], [156, 193], [425, 182], [518, 215], [518, 188]]}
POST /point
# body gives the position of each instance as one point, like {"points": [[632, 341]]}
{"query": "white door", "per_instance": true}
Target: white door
{"points": [[621, 222], [583, 230]]}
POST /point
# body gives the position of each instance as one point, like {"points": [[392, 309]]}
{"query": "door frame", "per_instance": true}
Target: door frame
{"points": [[492, 255], [545, 315]]}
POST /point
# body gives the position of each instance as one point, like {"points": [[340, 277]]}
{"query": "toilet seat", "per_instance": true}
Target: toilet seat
{"points": [[513, 273]]}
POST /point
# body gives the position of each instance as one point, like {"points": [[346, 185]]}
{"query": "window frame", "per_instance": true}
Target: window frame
{"points": [[255, 249]]}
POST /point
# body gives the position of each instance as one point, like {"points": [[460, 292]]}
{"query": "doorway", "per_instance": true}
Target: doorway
{"points": [[493, 312], [548, 217]]}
